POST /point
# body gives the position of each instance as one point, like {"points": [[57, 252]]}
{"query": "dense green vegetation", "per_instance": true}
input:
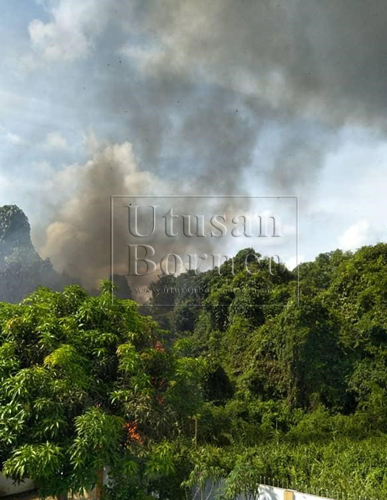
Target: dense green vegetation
{"points": [[86, 383], [298, 383], [265, 380]]}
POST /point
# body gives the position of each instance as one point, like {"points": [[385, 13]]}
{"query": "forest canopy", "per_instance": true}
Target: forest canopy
{"points": [[252, 376]]}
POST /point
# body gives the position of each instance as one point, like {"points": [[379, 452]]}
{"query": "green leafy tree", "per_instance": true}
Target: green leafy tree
{"points": [[86, 383]]}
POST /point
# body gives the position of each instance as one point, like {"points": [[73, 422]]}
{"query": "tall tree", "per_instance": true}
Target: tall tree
{"points": [[86, 383]]}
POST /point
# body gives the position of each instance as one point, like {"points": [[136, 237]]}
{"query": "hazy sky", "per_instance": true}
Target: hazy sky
{"points": [[219, 97]]}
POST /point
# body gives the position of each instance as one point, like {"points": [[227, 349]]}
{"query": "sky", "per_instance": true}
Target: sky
{"points": [[256, 98]]}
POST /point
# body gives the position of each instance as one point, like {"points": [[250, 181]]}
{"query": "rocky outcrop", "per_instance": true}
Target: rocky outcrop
{"points": [[22, 269]]}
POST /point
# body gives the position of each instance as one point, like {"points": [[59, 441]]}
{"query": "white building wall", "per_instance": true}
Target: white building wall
{"points": [[265, 493], [272, 493], [8, 487]]}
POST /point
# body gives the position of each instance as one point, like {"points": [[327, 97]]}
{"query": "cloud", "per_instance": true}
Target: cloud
{"points": [[292, 262], [73, 30], [361, 233], [10, 137], [55, 140], [42, 168], [5, 184], [13, 138]]}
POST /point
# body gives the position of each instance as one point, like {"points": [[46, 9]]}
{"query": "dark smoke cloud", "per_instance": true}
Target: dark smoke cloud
{"points": [[193, 85], [320, 58]]}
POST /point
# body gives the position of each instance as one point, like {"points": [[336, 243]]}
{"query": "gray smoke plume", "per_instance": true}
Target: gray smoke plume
{"points": [[78, 241], [214, 97]]}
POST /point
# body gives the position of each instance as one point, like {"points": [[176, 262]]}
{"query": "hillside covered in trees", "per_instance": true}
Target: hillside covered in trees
{"points": [[320, 343], [224, 376], [297, 374]]}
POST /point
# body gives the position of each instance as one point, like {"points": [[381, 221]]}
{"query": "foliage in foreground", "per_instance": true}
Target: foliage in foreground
{"points": [[342, 468], [86, 383], [295, 392]]}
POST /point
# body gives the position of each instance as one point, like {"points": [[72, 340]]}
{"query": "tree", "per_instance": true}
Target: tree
{"points": [[86, 383]]}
